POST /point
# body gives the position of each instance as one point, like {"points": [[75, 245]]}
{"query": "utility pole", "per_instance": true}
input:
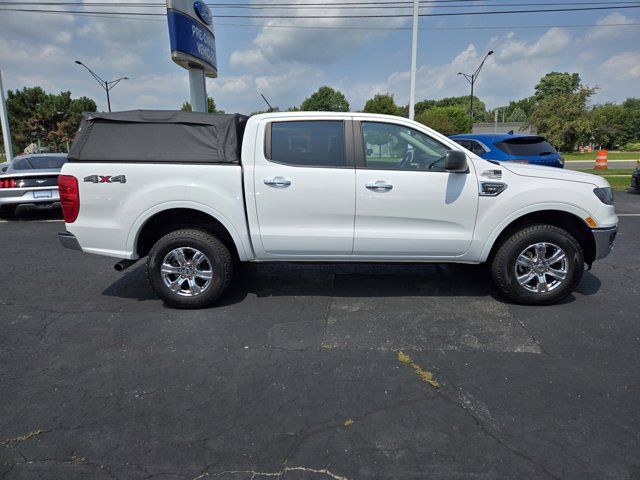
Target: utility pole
{"points": [[471, 78], [107, 85], [4, 118], [414, 54]]}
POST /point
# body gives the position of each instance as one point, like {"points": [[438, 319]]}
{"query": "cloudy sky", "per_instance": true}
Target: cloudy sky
{"points": [[287, 64]]}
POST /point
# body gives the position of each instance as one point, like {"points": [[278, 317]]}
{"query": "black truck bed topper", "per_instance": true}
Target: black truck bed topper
{"points": [[158, 136]]}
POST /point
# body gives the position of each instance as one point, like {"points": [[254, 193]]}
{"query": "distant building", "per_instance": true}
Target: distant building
{"points": [[504, 127]]}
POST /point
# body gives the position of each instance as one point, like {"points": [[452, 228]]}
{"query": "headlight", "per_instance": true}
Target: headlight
{"points": [[604, 194]]}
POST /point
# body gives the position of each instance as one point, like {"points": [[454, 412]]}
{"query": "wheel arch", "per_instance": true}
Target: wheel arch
{"points": [[159, 223], [568, 221]]}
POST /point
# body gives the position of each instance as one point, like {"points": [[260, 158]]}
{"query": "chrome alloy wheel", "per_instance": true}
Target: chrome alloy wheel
{"points": [[186, 271], [542, 267]]}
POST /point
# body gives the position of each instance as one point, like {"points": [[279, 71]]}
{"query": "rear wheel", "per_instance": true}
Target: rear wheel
{"points": [[8, 211], [538, 265], [189, 268]]}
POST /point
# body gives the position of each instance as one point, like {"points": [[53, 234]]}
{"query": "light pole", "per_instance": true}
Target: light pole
{"points": [[472, 79], [414, 52], [103, 83]]}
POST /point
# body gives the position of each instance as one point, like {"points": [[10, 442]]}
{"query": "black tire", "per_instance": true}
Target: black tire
{"points": [[503, 265], [8, 211], [217, 257]]}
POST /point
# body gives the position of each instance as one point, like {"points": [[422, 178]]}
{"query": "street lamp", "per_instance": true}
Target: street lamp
{"points": [[472, 78], [103, 83]]}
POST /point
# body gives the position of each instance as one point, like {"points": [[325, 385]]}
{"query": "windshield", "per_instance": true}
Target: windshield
{"points": [[526, 146], [39, 163]]}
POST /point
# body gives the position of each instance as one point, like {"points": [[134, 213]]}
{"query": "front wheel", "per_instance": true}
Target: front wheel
{"points": [[538, 265], [189, 268]]}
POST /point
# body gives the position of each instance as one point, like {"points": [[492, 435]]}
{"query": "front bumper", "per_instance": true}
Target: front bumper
{"points": [[604, 238], [69, 240]]}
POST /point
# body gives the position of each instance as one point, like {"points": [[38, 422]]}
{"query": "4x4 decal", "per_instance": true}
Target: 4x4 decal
{"points": [[106, 179]]}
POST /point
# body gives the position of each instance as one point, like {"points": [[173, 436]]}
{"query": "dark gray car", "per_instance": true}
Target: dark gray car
{"points": [[31, 181]]}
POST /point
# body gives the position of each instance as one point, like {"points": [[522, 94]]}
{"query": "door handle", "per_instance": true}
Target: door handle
{"points": [[277, 182], [379, 186]]}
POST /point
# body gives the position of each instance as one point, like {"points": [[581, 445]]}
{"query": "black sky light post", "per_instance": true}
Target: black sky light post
{"points": [[472, 79], [107, 85]]}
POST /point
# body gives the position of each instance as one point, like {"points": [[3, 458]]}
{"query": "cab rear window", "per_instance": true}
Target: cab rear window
{"points": [[526, 146]]}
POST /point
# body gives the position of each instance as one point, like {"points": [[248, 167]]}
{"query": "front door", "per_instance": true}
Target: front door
{"points": [[304, 185], [407, 205]]}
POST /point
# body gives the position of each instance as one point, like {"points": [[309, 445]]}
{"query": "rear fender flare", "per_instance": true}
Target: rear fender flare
{"points": [[136, 228]]}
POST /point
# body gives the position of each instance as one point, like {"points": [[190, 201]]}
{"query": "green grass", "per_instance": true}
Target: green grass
{"points": [[610, 171], [619, 184], [619, 179], [585, 157]]}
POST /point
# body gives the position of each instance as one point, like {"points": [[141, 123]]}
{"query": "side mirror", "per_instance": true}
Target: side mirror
{"points": [[455, 162], [4, 169]]}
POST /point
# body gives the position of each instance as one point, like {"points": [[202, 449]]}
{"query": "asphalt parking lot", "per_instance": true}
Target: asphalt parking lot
{"points": [[314, 371]]}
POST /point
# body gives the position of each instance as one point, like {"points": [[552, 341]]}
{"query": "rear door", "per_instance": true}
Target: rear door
{"points": [[304, 183], [407, 205]]}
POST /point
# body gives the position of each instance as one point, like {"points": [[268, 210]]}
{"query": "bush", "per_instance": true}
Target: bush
{"points": [[631, 147], [446, 120]]}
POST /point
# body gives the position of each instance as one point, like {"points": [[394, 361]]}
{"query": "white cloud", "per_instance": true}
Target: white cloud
{"points": [[626, 65], [551, 43], [305, 45]]}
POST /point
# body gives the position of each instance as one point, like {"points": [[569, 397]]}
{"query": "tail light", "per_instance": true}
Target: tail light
{"points": [[69, 197], [8, 183]]}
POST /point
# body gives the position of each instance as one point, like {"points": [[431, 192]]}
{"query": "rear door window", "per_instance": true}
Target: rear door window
{"points": [[526, 146], [476, 147], [463, 143], [308, 143]]}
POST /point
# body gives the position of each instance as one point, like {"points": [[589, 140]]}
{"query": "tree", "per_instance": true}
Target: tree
{"points": [[516, 115], [211, 106], [479, 108], [555, 84], [560, 110], [446, 120], [422, 106], [326, 99], [632, 103], [35, 115], [268, 110], [606, 124], [383, 104], [516, 110]]}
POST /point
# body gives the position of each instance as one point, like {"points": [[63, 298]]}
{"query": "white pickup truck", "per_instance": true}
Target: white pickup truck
{"points": [[196, 193]]}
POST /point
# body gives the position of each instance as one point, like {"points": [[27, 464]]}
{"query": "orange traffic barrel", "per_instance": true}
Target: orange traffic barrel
{"points": [[601, 160]]}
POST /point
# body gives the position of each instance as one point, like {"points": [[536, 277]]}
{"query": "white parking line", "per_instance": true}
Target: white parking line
{"points": [[628, 214]]}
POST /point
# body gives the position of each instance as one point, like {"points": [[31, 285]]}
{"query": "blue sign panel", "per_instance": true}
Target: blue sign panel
{"points": [[191, 42]]}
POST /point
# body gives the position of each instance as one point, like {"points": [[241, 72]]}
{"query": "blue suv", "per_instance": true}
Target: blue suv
{"points": [[511, 148]]}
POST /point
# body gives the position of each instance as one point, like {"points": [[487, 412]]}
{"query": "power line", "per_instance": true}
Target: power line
{"points": [[327, 27], [395, 15], [315, 6], [496, 27]]}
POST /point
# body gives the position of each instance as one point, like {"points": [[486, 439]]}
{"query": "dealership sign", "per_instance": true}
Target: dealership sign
{"points": [[193, 44]]}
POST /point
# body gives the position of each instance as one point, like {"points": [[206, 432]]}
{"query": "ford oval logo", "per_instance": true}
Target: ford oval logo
{"points": [[203, 12]]}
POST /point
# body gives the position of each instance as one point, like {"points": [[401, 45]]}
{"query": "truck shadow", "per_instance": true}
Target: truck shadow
{"points": [[345, 280]]}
